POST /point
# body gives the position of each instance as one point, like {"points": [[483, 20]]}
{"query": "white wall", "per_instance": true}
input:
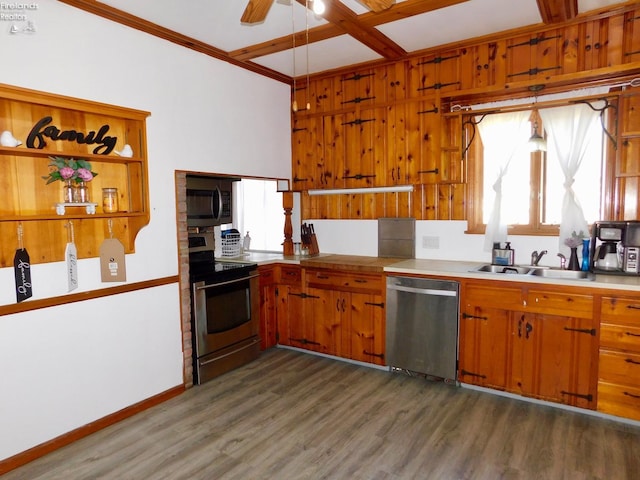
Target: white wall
{"points": [[206, 115], [360, 237]]}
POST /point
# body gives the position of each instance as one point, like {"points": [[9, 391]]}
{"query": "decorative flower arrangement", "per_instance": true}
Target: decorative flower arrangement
{"points": [[575, 240], [69, 169]]}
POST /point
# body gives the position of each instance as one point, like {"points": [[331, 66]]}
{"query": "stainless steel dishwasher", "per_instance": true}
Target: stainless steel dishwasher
{"points": [[422, 326]]}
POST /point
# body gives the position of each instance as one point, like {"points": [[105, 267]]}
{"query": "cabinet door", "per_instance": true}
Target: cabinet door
{"points": [[268, 308], [307, 151], [364, 136], [485, 346], [367, 328], [325, 311], [557, 359], [291, 326]]}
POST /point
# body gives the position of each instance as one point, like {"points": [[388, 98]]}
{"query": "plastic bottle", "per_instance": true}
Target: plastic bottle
{"points": [[246, 242]]}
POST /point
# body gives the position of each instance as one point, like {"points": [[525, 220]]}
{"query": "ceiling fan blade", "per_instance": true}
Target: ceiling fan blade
{"points": [[377, 5], [256, 11]]}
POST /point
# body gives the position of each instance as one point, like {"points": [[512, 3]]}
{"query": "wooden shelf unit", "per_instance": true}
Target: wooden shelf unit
{"points": [[30, 203]]}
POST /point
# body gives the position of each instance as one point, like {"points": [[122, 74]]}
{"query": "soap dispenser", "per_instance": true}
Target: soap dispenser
{"points": [[246, 243]]}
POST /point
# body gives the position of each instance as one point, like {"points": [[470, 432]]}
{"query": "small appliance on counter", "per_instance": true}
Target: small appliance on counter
{"points": [[615, 247]]}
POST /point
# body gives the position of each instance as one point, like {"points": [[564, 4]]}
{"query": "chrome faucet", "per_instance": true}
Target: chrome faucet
{"points": [[563, 262], [535, 257]]}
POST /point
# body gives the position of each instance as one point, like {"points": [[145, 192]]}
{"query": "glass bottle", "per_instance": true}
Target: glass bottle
{"points": [[586, 260], [67, 191], [81, 192]]}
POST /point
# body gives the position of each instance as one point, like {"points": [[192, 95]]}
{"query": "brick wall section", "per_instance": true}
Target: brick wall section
{"points": [[185, 294]]}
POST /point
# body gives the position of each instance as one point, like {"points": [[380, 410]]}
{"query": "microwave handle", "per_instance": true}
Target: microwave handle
{"points": [[219, 198]]}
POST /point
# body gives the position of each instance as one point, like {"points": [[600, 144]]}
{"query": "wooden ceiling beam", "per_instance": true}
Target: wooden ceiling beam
{"points": [[398, 11], [557, 11], [338, 14]]}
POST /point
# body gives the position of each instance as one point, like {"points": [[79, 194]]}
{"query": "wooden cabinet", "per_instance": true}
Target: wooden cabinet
{"points": [[268, 305], [529, 341], [56, 126], [289, 297], [486, 331], [415, 134], [619, 367], [347, 313]]}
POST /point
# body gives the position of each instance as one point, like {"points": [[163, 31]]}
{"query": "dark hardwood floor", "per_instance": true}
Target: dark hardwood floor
{"points": [[291, 415]]}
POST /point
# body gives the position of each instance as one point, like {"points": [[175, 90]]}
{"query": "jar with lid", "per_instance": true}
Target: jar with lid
{"points": [[110, 200]]}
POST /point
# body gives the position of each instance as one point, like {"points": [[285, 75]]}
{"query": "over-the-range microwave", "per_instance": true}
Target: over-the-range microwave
{"points": [[209, 200]]}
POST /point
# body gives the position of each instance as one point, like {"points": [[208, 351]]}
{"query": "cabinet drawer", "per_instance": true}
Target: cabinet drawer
{"points": [[267, 276], [291, 275], [558, 303], [621, 310], [619, 367], [619, 400], [347, 282], [485, 295], [622, 337]]}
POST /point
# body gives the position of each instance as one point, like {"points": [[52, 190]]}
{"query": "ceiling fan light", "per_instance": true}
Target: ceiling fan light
{"points": [[318, 7]]}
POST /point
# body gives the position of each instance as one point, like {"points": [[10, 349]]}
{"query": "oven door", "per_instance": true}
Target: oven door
{"points": [[225, 313]]}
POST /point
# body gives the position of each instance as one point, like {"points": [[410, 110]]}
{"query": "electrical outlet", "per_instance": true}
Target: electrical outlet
{"points": [[430, 241]]}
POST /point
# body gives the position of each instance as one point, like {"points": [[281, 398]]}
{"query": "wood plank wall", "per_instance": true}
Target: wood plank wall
{"points": [[391, 124]]}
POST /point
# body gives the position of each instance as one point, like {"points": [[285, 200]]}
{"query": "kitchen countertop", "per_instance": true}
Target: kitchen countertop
{"points": [[443, 268]]}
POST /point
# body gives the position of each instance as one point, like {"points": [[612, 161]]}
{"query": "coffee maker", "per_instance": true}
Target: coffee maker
{"points": [[615, 247]]}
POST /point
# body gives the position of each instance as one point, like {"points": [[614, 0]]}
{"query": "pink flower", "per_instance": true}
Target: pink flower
{"points": [[66, 172], [83, 174]]}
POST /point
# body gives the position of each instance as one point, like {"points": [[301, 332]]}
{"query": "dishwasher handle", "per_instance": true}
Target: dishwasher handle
{"points": [[424, 291]]}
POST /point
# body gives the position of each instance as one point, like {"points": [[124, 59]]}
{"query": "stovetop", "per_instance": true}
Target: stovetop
{"points": [[211, 270]]}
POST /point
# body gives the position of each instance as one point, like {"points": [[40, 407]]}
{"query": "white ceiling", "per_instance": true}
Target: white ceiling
{"points": [[217, 23]]}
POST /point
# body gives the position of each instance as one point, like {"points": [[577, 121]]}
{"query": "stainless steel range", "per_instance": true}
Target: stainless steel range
{"points": [[225, 310]]}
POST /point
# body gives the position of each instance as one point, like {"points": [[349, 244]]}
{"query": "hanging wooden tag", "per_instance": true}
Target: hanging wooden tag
{"points": [[22, 271], [112, 264], [71, 256]]}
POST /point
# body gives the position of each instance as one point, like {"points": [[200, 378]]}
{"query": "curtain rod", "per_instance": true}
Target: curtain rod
{"points": [[529, 102]]}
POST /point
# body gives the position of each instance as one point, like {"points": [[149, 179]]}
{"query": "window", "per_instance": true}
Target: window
{"points": [[532, 183], [258, 210]]}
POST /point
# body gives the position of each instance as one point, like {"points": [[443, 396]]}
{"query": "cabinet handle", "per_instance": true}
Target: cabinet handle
{"points": [[323, 277], [466, 315], [631, 395], [632, 334], [343, 304], [337, 305], [590, 331], [520, 326], [379, 355], [529, 328], [373, 304], [360, 280], [630, 360], [304, 341], [634, 307], [587, 397]]}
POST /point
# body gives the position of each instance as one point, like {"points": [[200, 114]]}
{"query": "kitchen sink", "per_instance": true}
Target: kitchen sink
{"points": [[561, 274], [536, 271], [505, 269]]}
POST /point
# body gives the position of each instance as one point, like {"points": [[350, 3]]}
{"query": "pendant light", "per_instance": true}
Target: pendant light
{"points": [[537, 142]]}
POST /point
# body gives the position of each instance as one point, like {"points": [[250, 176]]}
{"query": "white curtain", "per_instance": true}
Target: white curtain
{"points": [[567, 128], [502, 138]]}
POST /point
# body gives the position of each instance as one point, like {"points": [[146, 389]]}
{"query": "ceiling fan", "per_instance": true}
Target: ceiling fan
{"points": [[256, 10]]}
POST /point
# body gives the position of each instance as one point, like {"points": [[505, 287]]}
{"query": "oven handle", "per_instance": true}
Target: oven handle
{"points": [[204, 287], [202, 364]]}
